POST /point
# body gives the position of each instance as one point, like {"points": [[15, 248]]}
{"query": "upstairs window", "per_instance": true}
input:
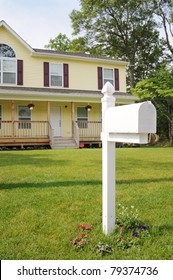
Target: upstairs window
{"points": [[108, 76], [56, 75], [8, 65]]}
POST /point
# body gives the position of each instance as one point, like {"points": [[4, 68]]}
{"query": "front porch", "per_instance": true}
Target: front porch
{"points": [[35, 133]]}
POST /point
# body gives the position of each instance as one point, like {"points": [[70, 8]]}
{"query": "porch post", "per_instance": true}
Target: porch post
{"points": [[72, 117], [12, 116], [72, 111], [48, 111]]}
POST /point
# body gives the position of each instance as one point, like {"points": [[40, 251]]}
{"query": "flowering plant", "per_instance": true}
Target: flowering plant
{"points": [[131, 231], [81, 239], [104, 249]]}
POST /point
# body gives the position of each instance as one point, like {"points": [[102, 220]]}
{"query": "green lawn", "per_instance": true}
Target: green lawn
{"points": [[45, 195]]}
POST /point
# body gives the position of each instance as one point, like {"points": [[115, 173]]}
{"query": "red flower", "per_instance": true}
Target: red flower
{"points": [[80, 243], [73, 241], [81, 235], [81, 226], [87, 227], [121, 238]]}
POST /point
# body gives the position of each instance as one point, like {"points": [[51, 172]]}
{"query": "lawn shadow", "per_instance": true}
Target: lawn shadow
{"points": [[79, 183], [57, 184], [12, 159]]}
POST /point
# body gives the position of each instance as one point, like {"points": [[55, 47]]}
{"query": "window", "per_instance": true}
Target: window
{"points": [[0, 115], [8, 65], [108, 76], [56, 77], [24, 117], [82, 117]]}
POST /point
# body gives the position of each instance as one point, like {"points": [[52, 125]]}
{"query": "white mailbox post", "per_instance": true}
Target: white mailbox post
{"points": [[128, 124]]}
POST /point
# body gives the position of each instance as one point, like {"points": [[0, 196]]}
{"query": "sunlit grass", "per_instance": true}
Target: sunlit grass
{"points": [[46, 194]]}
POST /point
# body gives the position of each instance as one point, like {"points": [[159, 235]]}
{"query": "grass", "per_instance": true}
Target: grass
{"points": [[45, 194]]}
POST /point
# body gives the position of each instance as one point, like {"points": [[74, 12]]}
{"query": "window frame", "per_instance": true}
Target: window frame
{"points": [[24, 125], [50, 74], [2, 72], [113, 76], [83, 125]]}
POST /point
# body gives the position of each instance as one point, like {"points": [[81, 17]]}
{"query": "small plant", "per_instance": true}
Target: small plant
{"points": [[81, 239], [127, 217], [104, 249], [131, 232]]}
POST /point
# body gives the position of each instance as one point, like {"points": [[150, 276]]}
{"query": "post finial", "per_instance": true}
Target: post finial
{"points": [[108, 89]]}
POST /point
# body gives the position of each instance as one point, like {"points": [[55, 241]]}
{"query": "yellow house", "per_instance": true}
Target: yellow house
{"points": [[53, 98]]}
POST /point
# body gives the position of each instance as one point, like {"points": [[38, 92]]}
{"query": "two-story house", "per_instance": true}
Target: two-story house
{"points": [[53, 98]]}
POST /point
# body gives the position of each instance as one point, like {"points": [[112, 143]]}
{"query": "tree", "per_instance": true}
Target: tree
{"points": [[124, 29], [159, 89], [61, 43], [164, 10]]}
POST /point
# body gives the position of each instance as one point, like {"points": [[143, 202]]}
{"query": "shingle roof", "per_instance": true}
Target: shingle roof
{"points": [[77, 54]]}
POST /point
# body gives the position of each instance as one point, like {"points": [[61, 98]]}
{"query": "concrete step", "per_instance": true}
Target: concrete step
{"points": [[64, 143]]}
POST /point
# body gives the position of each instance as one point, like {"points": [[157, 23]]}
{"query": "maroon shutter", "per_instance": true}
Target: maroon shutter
{"points": [[46, 74], [20, 72], [100, 77], [66, 75], [117, 83]]}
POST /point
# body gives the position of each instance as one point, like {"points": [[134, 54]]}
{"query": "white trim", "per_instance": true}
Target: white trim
{"points": [[5, 25], [81, 58], [103, 72], [2, 59], [50, 66]]}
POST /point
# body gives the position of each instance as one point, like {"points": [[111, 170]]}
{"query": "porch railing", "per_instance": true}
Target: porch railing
{"points": [[89, 129], [22, 129]]}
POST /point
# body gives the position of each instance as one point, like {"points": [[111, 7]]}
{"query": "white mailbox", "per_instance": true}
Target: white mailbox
{"points": [[130, 123]]}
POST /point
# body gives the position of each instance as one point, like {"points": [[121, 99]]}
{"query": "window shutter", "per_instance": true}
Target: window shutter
{"points": [[20, 72], [66, 75], [100, 77], [46, 74], [116, 75]]}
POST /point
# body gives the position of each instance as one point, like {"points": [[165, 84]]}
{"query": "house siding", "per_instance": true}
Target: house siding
{"points": [[82, 74]]}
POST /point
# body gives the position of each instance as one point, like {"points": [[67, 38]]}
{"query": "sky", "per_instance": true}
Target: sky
{"points": [[38, 21]]}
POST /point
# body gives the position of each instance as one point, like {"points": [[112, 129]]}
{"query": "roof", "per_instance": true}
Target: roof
{"points": [[78, 55], [61, 54], [50, 93]]}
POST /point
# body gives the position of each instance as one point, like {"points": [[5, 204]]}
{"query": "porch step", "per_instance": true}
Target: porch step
{"points": [[64, 143]]}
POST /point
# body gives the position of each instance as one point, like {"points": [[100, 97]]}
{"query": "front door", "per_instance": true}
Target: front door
{"points": [[55, 119]]}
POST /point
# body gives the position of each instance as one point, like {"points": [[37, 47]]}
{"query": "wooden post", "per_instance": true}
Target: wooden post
{"points": [[108, 166], [12, 116]]}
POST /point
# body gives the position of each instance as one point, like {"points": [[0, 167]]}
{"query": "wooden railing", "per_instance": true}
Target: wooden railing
{"points": [[89, 129], [22, 129]]}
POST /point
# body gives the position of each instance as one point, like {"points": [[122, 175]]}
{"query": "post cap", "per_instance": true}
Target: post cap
{"points": [[108, 89]]}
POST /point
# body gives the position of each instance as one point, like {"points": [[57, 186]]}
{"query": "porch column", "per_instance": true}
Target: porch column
{"points": [[72, 111], [12, 116], [48, 111], [48, 118], [72, 117]]}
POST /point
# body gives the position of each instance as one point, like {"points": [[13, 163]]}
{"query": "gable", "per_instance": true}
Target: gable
{"points": [[11, 38]]}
